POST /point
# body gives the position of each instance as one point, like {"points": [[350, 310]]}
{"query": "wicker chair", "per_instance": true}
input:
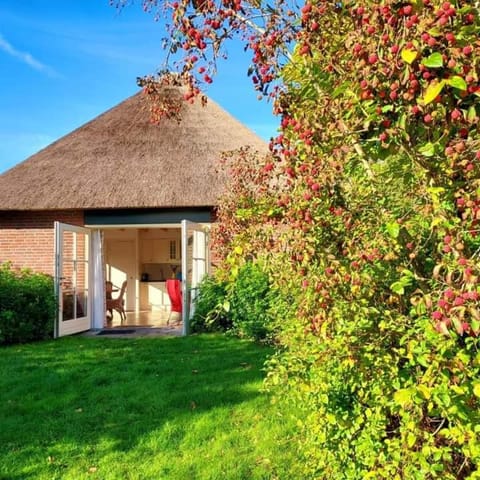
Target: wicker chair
{"points": [[118, 303]]}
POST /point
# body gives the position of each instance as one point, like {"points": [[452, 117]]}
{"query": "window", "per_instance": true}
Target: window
{"points": [[173, 250]]}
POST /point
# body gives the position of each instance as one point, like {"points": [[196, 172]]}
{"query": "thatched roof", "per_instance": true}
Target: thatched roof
{"points": [[121, 160]]}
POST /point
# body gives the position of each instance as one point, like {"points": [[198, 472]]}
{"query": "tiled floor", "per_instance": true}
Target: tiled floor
{"points": [[144, 323], [142, 319]]}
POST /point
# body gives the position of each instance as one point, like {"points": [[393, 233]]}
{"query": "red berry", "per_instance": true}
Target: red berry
{"points": [[449, 294], [450, 37], [449, 151], [456, 114], [442, 303], [443, 20], [268, 167], [307, 8], [304, 50], [458, 301]]}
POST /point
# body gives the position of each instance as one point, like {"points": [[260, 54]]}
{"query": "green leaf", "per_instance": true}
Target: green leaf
{"points": [[435, 32], [471, 114], [435, 60], [407, 273], [457, 82], [403, 397], [425, 391], [340, 90], [408, 55], [475, 325], [476, 389], [393, 229], [427, 150], [398, 288], [433, 91]]}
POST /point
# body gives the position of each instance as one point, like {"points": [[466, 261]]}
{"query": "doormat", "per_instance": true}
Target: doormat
{"points": [[114, 331]]}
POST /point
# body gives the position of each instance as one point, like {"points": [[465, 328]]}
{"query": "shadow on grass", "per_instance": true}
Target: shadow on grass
{"points": [[76, 393]]}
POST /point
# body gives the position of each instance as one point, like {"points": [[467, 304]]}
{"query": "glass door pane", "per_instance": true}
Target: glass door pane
{"points": [[72, 254], [194, 266]]}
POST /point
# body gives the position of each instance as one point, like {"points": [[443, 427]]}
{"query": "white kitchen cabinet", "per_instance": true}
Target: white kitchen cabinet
{"points": [[160, 251], [154, 296]]}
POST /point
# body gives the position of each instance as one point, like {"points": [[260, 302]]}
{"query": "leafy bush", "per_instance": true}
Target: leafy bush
{"points": [[210, 314], [241, 306], [27, 306], [250, 302], [369, 213]]}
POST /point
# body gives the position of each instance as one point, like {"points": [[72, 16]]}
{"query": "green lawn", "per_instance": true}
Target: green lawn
{"points": [[147, 408]]}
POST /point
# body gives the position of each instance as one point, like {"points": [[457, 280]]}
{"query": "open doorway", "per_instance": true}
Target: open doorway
{"points": [[143, 256], [146, 258]]}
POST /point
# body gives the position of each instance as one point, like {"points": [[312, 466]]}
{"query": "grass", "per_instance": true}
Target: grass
{"points": [[146, 408]]}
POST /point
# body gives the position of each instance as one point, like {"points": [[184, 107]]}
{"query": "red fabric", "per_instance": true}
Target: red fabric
{"points": [[175, 293]]}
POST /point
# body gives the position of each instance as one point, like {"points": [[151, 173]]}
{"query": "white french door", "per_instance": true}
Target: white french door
{"points": [[72, 282], [195, 265]]}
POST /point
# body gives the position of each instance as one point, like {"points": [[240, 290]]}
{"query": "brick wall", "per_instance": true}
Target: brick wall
{"points": [[27, 238]]}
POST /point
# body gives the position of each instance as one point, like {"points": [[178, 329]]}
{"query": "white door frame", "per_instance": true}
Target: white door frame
{"points": [[200, 267], [94, 277], [76, 324]]}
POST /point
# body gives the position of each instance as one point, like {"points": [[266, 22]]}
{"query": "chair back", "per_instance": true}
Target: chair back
{"points": [[175, 294], [108, 289], [122, 291]]}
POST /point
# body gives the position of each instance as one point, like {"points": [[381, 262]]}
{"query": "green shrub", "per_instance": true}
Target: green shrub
{"points": [[210, 314], [241, 305], [27, 306], [250, 302]]}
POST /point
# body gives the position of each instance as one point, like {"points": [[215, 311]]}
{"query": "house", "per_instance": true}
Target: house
{"points": [[120, 199]]}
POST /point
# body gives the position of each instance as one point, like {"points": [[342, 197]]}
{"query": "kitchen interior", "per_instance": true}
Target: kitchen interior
{"points": [[146, 258]]}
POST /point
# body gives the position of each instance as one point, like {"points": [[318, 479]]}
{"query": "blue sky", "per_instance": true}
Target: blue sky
{"points": [[63, 62]]}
